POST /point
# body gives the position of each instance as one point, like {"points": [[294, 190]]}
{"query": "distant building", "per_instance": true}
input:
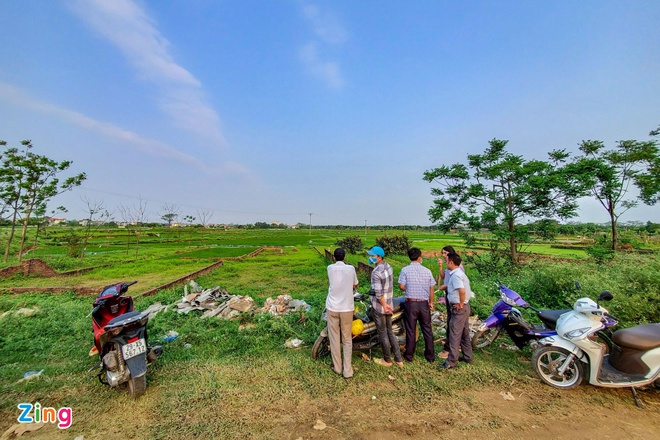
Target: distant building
{"points": [[55, 221]]}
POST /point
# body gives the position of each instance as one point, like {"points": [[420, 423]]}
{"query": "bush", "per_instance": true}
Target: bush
{"points": [[73, 243], [600, 254], [351, 244], [394, 244]]}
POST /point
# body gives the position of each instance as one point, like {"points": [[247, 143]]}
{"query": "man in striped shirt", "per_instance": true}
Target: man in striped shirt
{"points": [[418, 283], [382, 285]]}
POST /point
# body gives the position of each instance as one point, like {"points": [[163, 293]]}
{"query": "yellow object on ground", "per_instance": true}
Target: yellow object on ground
{"points": [[357, 327]]}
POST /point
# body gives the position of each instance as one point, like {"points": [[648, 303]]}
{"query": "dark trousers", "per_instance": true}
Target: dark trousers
{"points": [[459, 331], [448, 305], [418, 311], [388, 341]]}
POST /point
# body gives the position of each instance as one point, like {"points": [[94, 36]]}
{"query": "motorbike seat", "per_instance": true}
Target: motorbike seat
{"points": [[552, 315], [640, 337], [123, 317], [397, 303]]}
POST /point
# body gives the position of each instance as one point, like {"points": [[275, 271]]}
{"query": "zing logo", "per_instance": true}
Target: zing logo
{"points": [[63, 416]]}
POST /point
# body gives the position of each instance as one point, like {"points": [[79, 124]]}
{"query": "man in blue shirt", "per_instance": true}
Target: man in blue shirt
{"points": [[459, 294]]}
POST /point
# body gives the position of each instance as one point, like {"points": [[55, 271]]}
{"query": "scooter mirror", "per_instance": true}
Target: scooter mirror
{"points": [[577, 285], [605, 296]]}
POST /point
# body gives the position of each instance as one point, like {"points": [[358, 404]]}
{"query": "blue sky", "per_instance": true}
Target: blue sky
{"points": [[270, 110]]}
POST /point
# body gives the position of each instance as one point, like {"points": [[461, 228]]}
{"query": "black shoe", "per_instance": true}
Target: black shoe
{"points": [[462, 359], [445, 366]]}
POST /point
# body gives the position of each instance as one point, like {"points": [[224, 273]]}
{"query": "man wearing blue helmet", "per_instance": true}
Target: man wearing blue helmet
{"points": [[382, 287]]}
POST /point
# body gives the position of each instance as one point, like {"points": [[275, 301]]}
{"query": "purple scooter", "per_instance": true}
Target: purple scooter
{"points": [[506, 316]]}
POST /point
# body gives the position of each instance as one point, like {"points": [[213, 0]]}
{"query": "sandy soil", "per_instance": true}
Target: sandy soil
{"points": [[538, 412]]}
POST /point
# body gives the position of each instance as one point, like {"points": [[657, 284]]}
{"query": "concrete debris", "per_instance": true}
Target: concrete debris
{"points": [[20, 312], [283, 305], [214, 302], [153, 309], [293, 343], [439, 323], [19, 429], [218, 303], [507, 395]]}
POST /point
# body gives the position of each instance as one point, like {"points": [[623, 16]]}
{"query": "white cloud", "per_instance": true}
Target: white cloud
{"points": [[328, 31], [324, 24], [127, 26], [328, 71], [151, 146]]}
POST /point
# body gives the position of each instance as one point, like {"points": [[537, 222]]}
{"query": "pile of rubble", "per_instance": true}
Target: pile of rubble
{"points": [[214, 302], [217, 302], [439, 323], [284, 305]]}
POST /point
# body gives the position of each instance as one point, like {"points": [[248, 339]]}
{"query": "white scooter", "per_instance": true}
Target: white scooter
{"points": [[634, 360]]}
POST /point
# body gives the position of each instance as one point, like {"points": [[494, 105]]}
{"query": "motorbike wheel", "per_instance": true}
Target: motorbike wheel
{"points": [[137, 386], [484, 338], [547, 361], [321, 347]]}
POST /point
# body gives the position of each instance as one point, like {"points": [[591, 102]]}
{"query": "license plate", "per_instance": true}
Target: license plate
{"points": [[133, 349]]}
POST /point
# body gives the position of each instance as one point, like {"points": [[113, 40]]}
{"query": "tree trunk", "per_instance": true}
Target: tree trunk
{"points": [[23, 235], [11, 237], [513, 252], [137, 243], [615, 238], [84, 246]]}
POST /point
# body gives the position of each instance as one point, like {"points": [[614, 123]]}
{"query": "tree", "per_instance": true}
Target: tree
{"points": [[27, 182], [351, 244], [204, 216], [95, 212], [609, 174], [189, 220], [136, 216], [44, 220], [497, 189], [169, 213]]}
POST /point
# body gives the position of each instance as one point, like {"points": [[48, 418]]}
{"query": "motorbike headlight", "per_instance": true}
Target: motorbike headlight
{"points": [[576, 333], [507, 300]]}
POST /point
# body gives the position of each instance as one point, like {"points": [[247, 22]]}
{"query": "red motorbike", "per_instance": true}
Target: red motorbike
{"points": [[120, 340]]}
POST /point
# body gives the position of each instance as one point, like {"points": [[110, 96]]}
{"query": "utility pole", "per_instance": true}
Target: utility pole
{"points": [[365, 227], [310, 223]]}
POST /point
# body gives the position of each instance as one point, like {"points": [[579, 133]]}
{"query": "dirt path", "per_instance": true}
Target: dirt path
{"points": [[538, 412]]}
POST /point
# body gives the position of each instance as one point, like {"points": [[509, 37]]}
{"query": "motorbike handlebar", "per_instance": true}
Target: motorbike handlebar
{"points": [[125, 286], [94, 310], [612, 317]]}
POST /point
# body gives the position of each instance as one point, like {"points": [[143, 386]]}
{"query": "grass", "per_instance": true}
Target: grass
{"points": [[220, 380]]}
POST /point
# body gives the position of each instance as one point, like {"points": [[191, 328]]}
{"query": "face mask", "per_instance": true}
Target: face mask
{"points": [[373, 260]]}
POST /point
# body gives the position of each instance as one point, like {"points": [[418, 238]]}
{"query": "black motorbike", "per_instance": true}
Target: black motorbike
{"points": [[367, 338], [120, 340]]}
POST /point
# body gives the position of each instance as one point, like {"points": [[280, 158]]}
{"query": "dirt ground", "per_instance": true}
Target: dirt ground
{"points": [[537, 412], [530, 411]]}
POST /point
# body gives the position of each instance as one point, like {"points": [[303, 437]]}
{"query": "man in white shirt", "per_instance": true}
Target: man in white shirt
{"points": [[339, 305]]}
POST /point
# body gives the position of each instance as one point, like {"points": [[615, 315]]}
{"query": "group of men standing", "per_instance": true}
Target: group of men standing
{"points": [[419, 285]]}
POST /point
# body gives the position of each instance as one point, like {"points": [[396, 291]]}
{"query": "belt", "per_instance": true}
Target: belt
{"points": [[416, 300]]}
